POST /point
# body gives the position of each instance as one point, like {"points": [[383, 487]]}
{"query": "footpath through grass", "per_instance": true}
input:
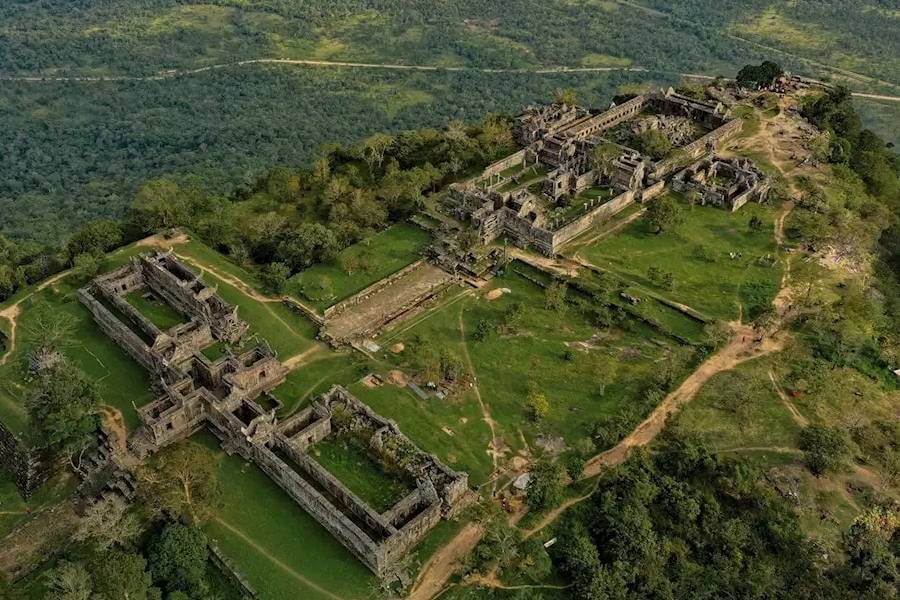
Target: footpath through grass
{"points": [[583, 371], [359, 266], [14, 510], [123, 384], [698, 255]]}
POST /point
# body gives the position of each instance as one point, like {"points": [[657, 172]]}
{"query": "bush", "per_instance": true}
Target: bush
{"points": [[483, 330], [537, 403]]}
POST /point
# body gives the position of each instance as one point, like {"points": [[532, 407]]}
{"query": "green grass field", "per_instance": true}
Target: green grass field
{"points": [[759, 420], [281, 550], [359, 266], [284, 552], [316, 377], [353, 466], [506, 365], [285, 331], [14, 510], [160, 314], [123, 384], [706, 278]]}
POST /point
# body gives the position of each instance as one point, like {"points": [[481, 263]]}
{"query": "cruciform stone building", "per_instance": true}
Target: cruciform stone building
{"points": [[231, 397]]}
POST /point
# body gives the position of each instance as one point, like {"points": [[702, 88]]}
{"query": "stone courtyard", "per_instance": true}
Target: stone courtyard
{"points": [[548, 211]]}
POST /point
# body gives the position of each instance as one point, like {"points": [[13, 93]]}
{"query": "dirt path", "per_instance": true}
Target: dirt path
{"points": [[115, 425], [554, 70], [492, 581], [799, 419], [298, 360], [485, 412], [437, 571], [778, 449], [769, 49], [243, 288], [287, 569], [556, 512], [740, 348], [12, 312]]}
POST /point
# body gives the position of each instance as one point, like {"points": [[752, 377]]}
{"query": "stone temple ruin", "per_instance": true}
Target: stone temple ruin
{"points": [[728, 183], [537, 196], [230, 396]]}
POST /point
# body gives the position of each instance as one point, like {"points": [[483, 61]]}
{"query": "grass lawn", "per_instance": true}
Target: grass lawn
{"points": [[14, 510], [346, 460], [215, 351], [160, 314], [761, 421], [303, 385], [506, 365], [451, 429], [387, 252], [122, 382], [280, 549], [285, 331], [697, 255], [283, 552]]}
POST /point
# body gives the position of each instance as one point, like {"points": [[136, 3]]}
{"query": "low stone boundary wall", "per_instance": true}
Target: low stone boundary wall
{"points": [[697, 148], [224, 564], [652, 191], [333, 311], [117, 331], [303, 311], [504, 163]]}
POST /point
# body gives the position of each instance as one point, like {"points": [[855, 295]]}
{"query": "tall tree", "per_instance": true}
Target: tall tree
{"points": [[178, 560], [121, 575], [63, 410], [69, 581], [181, 481], [663, 214], [48, 333]]}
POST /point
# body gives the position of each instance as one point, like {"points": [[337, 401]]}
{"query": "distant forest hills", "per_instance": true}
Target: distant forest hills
{"points": [[77, 150]]}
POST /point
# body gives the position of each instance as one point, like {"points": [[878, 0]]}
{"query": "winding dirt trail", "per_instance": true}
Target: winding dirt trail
{"points": [[556, 512], [437, 571], [553, 70], [11, 314], [744, 345], [298, 360]]}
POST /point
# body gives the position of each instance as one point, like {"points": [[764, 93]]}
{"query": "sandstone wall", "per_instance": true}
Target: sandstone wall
{"points": [[118, 331], [652, 191], [504, 163], [27, 467], [609, 118], [584, 222]]}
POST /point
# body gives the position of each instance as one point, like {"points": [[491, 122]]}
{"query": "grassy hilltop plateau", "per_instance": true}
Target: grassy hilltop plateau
{"points": [[361, 300]]}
